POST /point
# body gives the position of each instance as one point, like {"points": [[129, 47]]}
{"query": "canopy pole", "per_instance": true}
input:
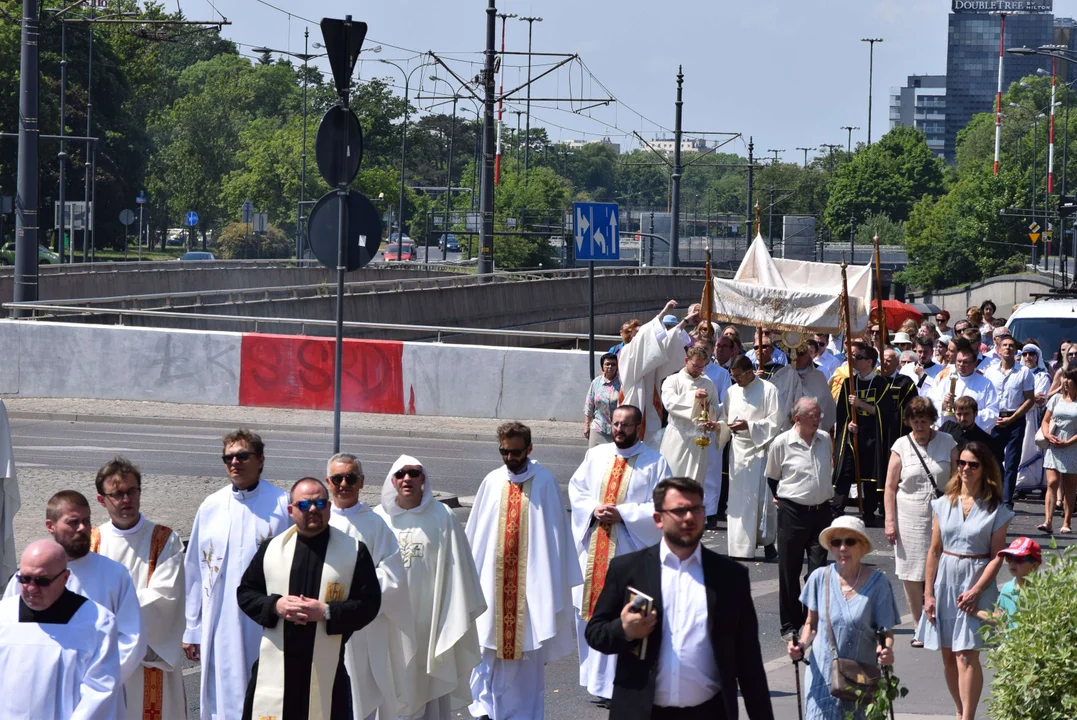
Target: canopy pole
{"points": [[852, 381], [880, 315]]}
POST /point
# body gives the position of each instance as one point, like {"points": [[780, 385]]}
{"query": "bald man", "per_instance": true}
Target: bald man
{"points": [[58, 651]]}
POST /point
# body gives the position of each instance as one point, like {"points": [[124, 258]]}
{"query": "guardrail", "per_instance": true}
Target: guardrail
{"points": [[154, 265]]}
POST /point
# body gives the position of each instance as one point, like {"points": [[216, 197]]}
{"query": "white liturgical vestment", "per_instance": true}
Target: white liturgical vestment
{"points": [[654, 354], [685, 457], [51, 671], [377, 656], [9, 499], [609, 476], [446, 599], [752, 518], [153, 555], [974, 386], [228, 529]]}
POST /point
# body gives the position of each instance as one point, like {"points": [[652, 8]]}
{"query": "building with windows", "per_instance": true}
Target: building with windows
{"points": [[666, 145], [922, 104], [577, 144]]}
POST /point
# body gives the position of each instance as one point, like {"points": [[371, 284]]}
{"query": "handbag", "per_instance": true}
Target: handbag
{"points": [[930, 475], [847, 677], [1041, 440]]}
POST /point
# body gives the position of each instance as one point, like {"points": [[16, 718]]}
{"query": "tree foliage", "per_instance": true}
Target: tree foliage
{"points": [[237, 242]]}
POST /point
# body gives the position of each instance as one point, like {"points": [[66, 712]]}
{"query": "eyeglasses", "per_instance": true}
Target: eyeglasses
{"points": [[121, 494], [970, 464], [306, 505], [242, 456], [39, 581], [410, 472], [847, 542], [858, 358], [347, 478], [505, 452], [682, 512]]}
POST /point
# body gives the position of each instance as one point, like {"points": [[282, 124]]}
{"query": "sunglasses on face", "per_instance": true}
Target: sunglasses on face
{"points": [[858, 358], [41, 581], [348, 478], [242, 456], [505, 452], [410, 472], [847, 542], [306, 505], [970, 464]]}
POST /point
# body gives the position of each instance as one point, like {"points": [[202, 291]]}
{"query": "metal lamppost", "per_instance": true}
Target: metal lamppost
{"points": [[849, 147], [527, 150], [403, 154], [806, 150], [871, 72]]}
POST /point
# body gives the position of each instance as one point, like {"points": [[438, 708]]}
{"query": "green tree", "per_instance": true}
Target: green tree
{"points": [[236, 242]]}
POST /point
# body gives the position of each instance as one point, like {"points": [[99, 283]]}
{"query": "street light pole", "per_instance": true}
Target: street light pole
{"points": [[299, 234], [527, 150], [62, 155], [675, 177], [486, 205], [805, 154], [849, 147], [28, 173], [90, 145], [871, 73]]}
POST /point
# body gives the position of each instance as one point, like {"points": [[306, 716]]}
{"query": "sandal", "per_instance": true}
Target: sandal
{"points": [[1045, 528], [1065, 530], [916, 643]]}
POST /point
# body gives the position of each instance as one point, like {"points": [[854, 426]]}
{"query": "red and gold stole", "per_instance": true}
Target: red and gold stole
{"points": [[602, 546], [153, 679], [510, 576]]}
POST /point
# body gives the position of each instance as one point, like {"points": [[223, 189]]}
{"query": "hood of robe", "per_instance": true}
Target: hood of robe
{"points": [[388, 490]]}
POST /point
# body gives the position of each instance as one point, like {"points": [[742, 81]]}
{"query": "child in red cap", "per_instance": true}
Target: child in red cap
{"points": [[1023, 558]]}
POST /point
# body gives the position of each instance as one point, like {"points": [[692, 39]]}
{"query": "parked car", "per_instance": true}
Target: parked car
{"points": [[394, 252], [44, 255], [396, 236], [449, 241], [1051, 320], [197, 255]]}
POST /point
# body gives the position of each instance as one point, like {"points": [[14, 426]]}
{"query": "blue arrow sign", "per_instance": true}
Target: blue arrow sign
{"points": [[596, 227], [192, 218], [141, 199]]}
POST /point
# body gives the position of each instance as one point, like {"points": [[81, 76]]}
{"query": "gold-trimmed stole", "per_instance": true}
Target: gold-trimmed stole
{"points": [[602, 547], [510, 576]]}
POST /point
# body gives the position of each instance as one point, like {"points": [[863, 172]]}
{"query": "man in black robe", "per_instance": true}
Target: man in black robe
{"points": [[301, 609], [900, 391]]}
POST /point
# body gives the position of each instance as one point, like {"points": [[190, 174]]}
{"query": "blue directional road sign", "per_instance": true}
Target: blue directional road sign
{"points": [[597, 230], [192, 218]]}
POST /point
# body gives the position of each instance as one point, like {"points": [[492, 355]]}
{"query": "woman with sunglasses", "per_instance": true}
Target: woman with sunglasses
{"points": [[1059, 427], [861, 605], [967, 533]]}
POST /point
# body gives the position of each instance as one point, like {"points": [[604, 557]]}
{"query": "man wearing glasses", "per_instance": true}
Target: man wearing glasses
{"points": [[229, 527], [521, 540], [309, 588], [862, 408], [969, 383], [58, 656], [153, 555], [376, 658]]}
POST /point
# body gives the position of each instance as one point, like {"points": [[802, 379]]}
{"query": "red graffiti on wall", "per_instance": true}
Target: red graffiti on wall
{"points": [[297, 372]]}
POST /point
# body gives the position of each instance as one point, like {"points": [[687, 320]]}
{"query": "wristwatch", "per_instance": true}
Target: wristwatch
{"points": [[327, 609]]}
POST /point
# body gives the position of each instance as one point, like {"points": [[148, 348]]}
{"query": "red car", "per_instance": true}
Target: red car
{"points": [[394, 252]]}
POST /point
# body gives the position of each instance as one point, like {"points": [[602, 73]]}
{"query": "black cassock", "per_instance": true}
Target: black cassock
{"points": [[346, 617]]}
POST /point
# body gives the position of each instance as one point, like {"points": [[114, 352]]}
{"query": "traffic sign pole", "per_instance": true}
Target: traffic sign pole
{"points": [[591, 313]]}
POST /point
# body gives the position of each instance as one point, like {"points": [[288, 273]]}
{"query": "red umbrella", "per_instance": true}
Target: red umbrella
{"points": [[896, 313]]}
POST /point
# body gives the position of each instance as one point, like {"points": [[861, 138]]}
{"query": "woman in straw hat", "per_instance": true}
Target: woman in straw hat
{"points": [[861, 605], [968, 531]]}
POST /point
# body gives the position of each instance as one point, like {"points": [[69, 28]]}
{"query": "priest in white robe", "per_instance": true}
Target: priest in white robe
{"points": [[444, 590], [9, 498], [969, 383], [229, 527], [106, 582], [810, 382], [787, 382], [377, 657], [751, 412], [655, 353], [153, 555], [687, 396], [521, 540], [58, 656], [612, 514]]}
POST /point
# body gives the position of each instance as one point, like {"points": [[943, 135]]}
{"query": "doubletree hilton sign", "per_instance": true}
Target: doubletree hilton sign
{"points": [[1003, 6]]}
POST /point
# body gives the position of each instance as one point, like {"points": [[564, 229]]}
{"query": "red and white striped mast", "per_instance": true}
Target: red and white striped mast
{"points": [[500, 101], [1051, 137], [998, 95]]}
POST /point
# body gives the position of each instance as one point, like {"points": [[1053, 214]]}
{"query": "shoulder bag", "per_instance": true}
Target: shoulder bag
{"points": [[849, 679], [930, 475]]}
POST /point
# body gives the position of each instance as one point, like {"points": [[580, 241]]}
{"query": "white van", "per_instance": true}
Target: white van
{"points": [[1050, 320]]}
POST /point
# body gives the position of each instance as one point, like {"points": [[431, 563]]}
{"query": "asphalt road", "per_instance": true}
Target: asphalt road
{"points": [[181, 465]]}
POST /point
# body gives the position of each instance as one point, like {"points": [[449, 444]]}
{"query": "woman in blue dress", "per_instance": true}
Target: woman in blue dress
{"points": [[968, 531], [861, 606]]}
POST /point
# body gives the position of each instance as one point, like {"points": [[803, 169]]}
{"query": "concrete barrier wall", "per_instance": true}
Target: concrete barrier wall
{"points": [[41, 359], [1005, 291]]}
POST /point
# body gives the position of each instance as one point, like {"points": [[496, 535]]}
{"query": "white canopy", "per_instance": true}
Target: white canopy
{"points": [[791, 295]]}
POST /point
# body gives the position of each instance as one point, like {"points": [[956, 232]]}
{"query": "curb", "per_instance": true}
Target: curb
{"points": [[287, 427]]}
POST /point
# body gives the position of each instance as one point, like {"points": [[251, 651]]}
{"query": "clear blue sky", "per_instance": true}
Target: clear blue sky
{"points": [[788, 72]]}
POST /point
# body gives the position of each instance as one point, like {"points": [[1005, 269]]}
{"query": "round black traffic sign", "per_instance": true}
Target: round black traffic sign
{"points": [[338, 146], [362, 237]]}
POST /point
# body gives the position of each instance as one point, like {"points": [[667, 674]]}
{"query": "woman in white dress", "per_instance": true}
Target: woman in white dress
{"points": [[920, 466]]}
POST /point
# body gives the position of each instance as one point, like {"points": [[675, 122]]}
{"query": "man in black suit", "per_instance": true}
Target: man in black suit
{"points": [[701, 635]]}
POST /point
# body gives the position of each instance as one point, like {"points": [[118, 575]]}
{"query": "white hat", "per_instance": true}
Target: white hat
{"points": [[902, 338], [848, 523]]}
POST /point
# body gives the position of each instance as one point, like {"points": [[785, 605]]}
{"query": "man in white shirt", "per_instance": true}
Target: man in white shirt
{"points": [[1016, 388], [969, 383], [799, 473], [693, 640], [824, 358]]}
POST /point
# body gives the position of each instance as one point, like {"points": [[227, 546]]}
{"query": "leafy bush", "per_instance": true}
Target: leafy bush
{"points": [[235, 244], [1034, 663]]}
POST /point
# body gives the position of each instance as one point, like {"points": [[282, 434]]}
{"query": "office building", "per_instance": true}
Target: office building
{"points": [[922, 104]]}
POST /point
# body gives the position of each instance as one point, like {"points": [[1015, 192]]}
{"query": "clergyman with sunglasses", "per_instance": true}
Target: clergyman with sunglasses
{"points": [[229, 527], [377, 651], [522, 543], [58, 651], [309, 590]]}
